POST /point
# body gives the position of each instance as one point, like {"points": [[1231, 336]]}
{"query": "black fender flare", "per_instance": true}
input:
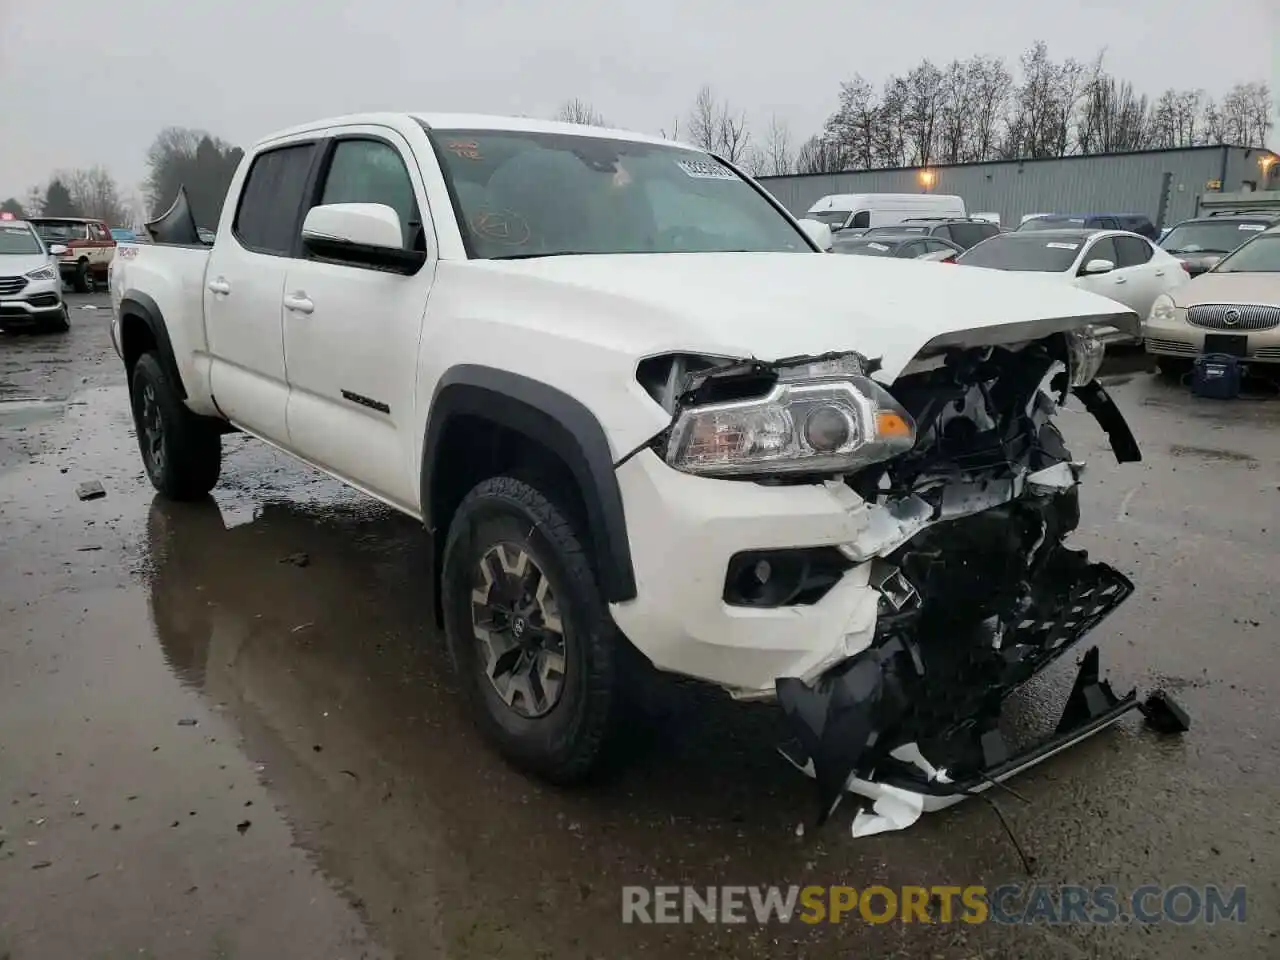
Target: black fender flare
{"points": [[558, 422], [137, 304]]}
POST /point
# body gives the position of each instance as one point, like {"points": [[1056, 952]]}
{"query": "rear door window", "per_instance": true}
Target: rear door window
{"points": [[1133, 252], [861, 219], [267, 216]]}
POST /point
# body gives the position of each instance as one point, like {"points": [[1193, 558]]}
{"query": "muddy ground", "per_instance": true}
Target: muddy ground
{"points": [[228, 731]]}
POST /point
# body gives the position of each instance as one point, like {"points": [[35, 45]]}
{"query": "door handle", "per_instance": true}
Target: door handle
{"points": [[219, 285], [1121, 280], [299, 302], [1159, 273]]}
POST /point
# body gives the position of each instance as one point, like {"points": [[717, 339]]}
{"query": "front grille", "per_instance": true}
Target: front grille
{"points": [[1170, 346], [1233, 316], [1267, 353], [11, 285]]}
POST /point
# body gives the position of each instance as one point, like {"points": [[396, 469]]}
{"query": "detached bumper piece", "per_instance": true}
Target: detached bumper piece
{"points": [[918, 713]]}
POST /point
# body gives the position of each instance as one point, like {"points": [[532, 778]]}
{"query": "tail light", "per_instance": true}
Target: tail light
{"points": [[1185, 269], [950, 259]]}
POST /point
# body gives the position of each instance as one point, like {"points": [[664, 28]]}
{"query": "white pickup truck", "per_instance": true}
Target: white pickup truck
{"points": [[647, 421]]}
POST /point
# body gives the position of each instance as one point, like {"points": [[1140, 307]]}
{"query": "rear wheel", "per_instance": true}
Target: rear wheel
{"points": [[84, 278], [182, 453], [528, 632]]}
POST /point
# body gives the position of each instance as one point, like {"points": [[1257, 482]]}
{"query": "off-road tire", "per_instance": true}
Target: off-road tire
{"points": [[190, 448], [83, 282], [567, 744]]}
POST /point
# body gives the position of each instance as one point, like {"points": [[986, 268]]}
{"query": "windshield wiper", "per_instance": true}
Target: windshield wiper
{"points": [[554, 253]]}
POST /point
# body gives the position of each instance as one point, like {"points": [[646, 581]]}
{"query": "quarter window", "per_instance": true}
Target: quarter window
{"points": [[1133, 251], [267, 216]]}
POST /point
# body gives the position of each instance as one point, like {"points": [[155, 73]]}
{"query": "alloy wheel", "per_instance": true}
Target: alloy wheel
{"points": [[516, 620]]}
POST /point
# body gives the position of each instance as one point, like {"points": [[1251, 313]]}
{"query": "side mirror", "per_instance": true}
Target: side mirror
{"points": [[1099, 266], [57, 249], [359, 234], [818, 232]]}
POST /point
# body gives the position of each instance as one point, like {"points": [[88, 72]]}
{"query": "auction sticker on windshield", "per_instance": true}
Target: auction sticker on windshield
{"points": [[1055, 245], [1256, 227], [877, 246], [706, 170]]}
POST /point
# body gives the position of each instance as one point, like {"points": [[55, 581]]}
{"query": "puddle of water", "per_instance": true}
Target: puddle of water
{"points": [[23, 411]]}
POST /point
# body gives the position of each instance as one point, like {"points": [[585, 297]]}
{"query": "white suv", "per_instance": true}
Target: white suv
{"points": [[646, 421], [30, 282]]}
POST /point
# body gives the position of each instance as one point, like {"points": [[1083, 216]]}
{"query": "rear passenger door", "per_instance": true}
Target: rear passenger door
{"points": [[1146, 276], [351, 332], [244, 288]]}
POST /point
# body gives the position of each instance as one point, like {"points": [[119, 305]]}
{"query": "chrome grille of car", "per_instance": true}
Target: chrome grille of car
{"points": [[1233, 316], [11, 285]]}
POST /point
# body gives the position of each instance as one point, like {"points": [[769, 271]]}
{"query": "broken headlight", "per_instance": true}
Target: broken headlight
{"points": [[800, 426], [1085, 352]]}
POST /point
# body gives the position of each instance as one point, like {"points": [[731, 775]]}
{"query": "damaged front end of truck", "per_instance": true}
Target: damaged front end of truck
{"points": [[978, 593]]}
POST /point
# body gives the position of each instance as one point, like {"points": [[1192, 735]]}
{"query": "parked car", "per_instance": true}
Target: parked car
{"points": [[906, 246], [719, 459], [88, 245], [842, 211], [1232, 308], [1132, 222], [964, 232], [1202, 241], [1123, 266], [30, 282]]}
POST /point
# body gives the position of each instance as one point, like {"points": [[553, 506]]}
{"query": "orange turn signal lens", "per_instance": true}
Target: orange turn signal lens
{"points": [[890, 424]]}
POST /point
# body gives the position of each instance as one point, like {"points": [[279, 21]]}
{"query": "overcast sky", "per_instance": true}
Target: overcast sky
{"points": [[86, 81]]}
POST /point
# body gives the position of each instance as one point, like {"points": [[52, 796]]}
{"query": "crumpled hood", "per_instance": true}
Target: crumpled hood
{"points": [[776, 305], [16, 264]]}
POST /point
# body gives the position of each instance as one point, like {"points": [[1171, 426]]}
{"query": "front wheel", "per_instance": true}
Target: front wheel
{"points": [[62, 323], [528, 632], [181, 452]]}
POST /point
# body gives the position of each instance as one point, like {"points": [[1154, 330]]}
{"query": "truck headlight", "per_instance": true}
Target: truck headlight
{"points": [[1086, 352], [1163, 310], [43, 273], [819, 426]]}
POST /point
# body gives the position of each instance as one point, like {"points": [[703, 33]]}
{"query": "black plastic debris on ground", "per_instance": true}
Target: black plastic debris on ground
{"points": [[90, 490]]}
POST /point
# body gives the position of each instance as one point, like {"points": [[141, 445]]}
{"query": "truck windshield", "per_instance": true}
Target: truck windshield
{"points": [[519, 194], [56, 231], [18, 240]]}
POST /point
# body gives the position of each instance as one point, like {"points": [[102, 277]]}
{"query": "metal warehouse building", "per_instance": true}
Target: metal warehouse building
{"points": [[1166, 185]]}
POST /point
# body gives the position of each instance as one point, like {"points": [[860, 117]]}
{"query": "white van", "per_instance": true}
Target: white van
{"points": [[841, 210]]}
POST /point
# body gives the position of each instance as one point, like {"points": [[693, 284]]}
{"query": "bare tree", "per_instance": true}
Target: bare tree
{"points": [[718, 128], [579, 111], [673, 133], [14, 207], [820, 154], [204, 164], [777, 155], [853, 129], [1112, 116], [922, 94], [95, 194]]}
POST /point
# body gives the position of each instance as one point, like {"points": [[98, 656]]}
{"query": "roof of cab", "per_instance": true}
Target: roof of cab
{"points": [[474, 121]]}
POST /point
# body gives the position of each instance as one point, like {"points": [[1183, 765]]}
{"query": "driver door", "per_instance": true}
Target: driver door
{"points": [[351, 333], [1118, 284]]}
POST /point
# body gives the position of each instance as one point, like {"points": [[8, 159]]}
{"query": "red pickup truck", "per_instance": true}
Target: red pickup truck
{"points": [[90, 248]]}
